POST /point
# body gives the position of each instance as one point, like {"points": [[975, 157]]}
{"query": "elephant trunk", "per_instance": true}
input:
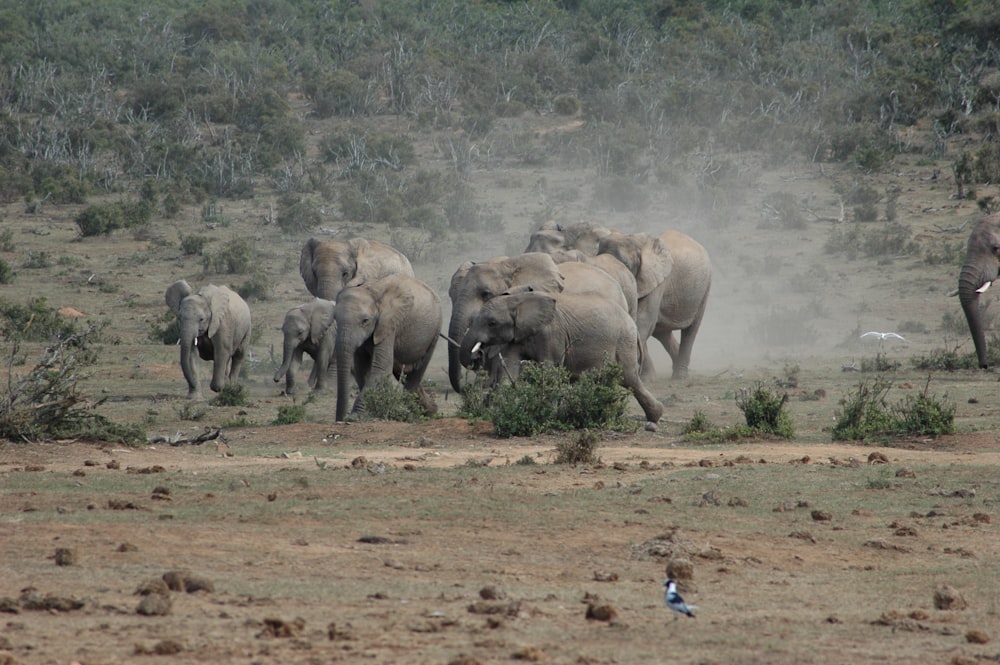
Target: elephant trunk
{"points": [[187, 343], [345, 358], [456, 331], [969, 281], [470, 352], [287, 358]]}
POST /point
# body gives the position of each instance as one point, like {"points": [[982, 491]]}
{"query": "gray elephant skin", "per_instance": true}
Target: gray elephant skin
{"points": [[215, 323], [308, 329], [979, 271], [386, 325], [476, 283], [609, 264], [327, 266], [577, 331], [673, 286]]}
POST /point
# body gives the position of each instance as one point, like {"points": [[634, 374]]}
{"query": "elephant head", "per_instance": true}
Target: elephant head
{"points": [[646, 257], [583, 236], [215, 322], [474, 284], [307, 328], [510, 318], [982, 263], [327, 266]]}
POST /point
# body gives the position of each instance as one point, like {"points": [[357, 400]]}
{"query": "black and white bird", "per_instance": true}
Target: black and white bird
{"points": [[674, 600]]}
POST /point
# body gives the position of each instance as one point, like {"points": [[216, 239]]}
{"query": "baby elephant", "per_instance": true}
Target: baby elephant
{"points": [[385, 325], [579, 332], [308, 328]]}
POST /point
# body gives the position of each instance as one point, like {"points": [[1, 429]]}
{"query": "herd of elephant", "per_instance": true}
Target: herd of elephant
{"points": [[579, 296]]}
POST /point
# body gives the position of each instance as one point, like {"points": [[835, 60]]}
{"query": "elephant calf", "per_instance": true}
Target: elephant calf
{"points": [[308, 328], [577, 331], [215, 322]]}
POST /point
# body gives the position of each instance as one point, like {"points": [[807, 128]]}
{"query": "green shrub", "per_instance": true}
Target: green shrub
{"points": [[99, 220], [698, 424], [6, 272], [194, 245], [566, 105], [386, 400], [867, 414], [765, 412], [543, 399], [297, 214], [289, 414], [239, 255], [583, 450], [36, 322], [232, 394], [258, 287]]}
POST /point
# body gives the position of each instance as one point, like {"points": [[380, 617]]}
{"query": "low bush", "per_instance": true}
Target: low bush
{"points": [[386, 400], [6, 272], [232, 394], [582, 450], [765, 412], [289, 414], [866, 414], [543, 399]]}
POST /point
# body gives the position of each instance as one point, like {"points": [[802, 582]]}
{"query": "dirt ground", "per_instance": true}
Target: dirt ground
{"points": [[439, 543]]}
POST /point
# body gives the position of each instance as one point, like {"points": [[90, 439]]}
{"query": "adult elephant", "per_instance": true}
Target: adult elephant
{"points": [[577, 331], [308, 328], [673, 274], [552, 236], [979, 271], [215, 322], [385, 325], [476, 283], [609, 264], [327, 266]]}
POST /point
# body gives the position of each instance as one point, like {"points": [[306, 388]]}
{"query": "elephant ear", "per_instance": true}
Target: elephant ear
{"points": [[306, 265], [535, 269], [586, 237], [456, 280], [531, 312], [177, 292], [656, 262], [320, 318], [394, 307], [217, 299]]}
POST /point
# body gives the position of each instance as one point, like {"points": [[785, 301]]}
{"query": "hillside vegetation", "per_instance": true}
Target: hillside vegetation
{"points": [[195, 101]]}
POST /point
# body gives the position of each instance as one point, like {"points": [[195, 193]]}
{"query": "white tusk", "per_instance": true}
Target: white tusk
{"points": [[984, 287], [476, 348], [196, 341]]}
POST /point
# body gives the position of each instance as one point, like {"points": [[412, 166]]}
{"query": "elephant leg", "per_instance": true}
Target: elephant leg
{"points": [[363, 371], [648, 371], [413, 380], [235, 366], [220, 370], [651, 407]]}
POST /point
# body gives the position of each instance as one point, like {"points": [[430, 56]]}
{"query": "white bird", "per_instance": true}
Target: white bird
{"points": [[882, 336], [674, 600]]}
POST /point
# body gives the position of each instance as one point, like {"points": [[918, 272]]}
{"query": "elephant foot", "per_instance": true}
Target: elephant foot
{"points": [[680, 374], [427, 403]]}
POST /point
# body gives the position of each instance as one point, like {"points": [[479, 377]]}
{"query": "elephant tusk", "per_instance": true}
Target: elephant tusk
{"points": [[952, 293], [196, 341], [475, 349], [985, 286]]}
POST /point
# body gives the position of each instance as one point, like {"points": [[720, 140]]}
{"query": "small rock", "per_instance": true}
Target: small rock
{"points": [[903, 472], [490, 592], [154, 605], [66, 556], [601, 612], [651, 426], [877, 458], [681, 570], [977, 637], [947, 597], [155, 585], [274, 627], [128, 547], [821, 516]]}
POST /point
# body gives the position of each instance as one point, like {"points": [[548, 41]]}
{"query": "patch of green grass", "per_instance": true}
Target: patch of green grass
{"points": [[765, 412], [289, 414]]}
